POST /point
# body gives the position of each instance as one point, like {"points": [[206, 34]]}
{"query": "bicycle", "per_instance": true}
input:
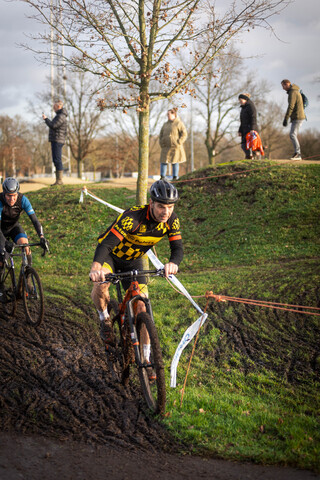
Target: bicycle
{"points": [[129, 328], [28, 287]]}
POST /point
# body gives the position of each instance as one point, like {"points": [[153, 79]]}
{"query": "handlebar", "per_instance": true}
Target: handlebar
{"points": [[37, 244], [115, 277]]}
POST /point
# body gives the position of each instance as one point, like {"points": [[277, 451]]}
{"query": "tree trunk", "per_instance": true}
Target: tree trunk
{"points": [[210, 150], [4, 169], [143, 164], [79, 167]]}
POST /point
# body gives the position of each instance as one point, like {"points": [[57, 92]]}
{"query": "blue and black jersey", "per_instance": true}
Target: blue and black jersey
{"points": [[9, 215]]}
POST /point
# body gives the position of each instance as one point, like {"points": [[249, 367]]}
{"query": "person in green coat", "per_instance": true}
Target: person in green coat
{"points": [[173, 134], [295, 112]]}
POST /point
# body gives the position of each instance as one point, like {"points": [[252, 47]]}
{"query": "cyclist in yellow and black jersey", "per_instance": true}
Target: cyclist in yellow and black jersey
{"points": [[135, 231], [122, 246]]}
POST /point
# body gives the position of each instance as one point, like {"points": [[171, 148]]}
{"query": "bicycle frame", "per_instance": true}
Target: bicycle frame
{"points": [[133, 293], [132, 296], [128, 303], [27, 287], [24, 264], [137, 329]]}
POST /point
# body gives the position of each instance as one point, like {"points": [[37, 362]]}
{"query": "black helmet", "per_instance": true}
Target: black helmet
{"points": [[10, 185], [163, 192]]}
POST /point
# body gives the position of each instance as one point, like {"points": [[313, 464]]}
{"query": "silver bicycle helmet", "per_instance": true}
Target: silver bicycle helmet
{"points": [[10, 185], [164, 192]]}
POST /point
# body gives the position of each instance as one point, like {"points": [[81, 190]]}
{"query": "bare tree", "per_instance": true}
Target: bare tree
{"points": [[85, 122], [128, 131], [270, 122], [15, 153], [217, 100], [217, 93], [134, 43], [310, 144], [41, 159], [121, 154]]}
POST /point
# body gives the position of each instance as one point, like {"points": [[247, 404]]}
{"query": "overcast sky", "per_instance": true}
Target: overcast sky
{"points": [[295, 56]]}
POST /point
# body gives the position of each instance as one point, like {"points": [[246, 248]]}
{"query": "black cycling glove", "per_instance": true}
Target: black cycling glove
{"points": [[44, 243]]}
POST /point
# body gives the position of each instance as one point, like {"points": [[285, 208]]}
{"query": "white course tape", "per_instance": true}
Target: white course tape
{"points": [[187, 337], [192, 330], [85, 191]]}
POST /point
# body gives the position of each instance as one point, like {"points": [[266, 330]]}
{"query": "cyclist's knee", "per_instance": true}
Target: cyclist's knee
{"points": [[99, 293], [100, 288], [23, 240]]}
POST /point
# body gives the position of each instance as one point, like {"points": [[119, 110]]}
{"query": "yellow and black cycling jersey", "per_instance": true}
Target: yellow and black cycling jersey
{"points": [[134, 232]]}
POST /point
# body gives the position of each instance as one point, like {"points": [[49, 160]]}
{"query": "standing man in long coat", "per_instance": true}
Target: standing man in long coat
{"points": [[173, 134]]}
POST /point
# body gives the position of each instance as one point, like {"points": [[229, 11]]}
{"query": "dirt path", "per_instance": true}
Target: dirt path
{"points": [[38, 458], [64, 416], [33, 185]]}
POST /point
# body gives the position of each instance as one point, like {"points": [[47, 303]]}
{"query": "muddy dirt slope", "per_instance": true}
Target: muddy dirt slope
{"points": [[63, 415]]}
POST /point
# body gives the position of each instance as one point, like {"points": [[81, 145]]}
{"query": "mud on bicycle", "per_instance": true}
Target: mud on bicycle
{"points": [[129, 347], [27, 287]]}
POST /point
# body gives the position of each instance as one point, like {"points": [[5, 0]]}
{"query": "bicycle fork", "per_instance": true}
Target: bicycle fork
{"points": [[4, 272], [21, 281], [133, 330]]}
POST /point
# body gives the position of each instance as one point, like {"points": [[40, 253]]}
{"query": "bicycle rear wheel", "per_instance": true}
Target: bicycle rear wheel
{"points": [[32, 295], [154, 391], [9, 300]]}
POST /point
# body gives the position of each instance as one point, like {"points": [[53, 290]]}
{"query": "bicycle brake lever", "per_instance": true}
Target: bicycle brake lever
{"points": [[45, 250]]}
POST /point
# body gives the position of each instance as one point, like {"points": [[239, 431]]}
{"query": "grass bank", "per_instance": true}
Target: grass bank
{"points": [[250, 230]]}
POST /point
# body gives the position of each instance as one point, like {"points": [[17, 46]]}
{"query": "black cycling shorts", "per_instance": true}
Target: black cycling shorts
{"points": [[117, 265], [15, 232]]}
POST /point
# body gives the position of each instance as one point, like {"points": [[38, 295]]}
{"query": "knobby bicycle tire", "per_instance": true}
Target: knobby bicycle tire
{"points": [[114, 351], [9, 300], [32, 295], [154, 392]]}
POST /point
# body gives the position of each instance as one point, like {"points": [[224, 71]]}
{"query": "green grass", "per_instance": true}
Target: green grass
{"points": [[252, 390]]}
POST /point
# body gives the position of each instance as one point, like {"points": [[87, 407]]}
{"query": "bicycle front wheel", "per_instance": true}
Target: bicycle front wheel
{"points": [[114, 351], [32, 295], [8, 297], [151, 368]]}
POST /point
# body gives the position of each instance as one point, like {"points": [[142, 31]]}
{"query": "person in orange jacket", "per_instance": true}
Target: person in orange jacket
{"points": [[254, 142]]}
